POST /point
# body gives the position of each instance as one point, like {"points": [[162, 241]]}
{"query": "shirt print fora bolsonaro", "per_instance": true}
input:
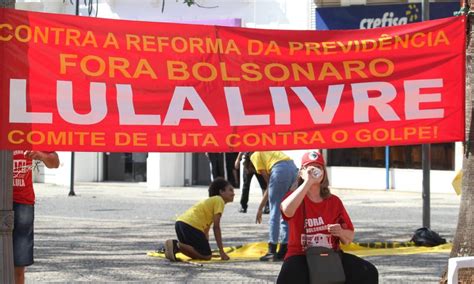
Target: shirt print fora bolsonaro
{"points": [[312, 236]]}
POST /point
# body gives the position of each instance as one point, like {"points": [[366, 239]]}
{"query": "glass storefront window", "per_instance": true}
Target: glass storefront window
{"points": [[130, 167], [405, 157]]}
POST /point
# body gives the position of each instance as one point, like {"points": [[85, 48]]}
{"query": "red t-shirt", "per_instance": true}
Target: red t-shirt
{"points": [[318, 216], [22, 179]]}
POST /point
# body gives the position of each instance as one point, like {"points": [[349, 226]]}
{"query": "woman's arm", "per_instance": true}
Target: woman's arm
{"points": [[292, 202], [206, 232], [258, 220], [237, 160], [218, 236], [264, 200], [50, 160]]}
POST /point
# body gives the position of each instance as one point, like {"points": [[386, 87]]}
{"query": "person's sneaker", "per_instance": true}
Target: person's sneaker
{"points": [[271, 254], [171, 248], [243, 210], [269, 257]]}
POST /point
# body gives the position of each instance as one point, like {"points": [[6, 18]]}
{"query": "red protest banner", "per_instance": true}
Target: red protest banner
{"points": [[84, 84]]}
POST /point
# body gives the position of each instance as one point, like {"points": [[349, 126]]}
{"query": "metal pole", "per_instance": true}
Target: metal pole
{"points": [[71, 189], [425, 9], [71, 184], [426, 149], [387, 167], [426, 165]]}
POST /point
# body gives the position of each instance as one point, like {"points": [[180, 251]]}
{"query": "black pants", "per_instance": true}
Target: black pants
{"points": [[191, 236], [217, 164], [295, 270], [244, 200], [233, 174]]}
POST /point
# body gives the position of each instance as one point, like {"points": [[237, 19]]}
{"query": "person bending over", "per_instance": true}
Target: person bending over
{"points": [[279, 171], [247, 177], [192, 227], [327, 224]]}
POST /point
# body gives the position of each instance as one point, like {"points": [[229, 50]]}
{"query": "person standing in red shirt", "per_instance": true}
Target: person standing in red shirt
{"points": [[23, 206], [318, 218]]}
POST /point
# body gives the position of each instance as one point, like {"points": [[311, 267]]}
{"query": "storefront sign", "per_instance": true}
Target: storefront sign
{"points": [[83, 84], [377, 16]]}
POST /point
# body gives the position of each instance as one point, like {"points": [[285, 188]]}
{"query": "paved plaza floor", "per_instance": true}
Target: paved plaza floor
{"points": [[104, 233]]}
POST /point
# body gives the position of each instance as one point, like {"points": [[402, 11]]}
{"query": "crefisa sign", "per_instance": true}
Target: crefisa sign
{"points": [[369, 17]]}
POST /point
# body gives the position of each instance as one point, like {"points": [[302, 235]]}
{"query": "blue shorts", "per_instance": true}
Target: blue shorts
{"points": [[23, 234], [189, 235]]}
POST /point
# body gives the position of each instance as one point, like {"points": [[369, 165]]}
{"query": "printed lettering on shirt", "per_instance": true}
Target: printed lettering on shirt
{"points": [[316, 240], [313, 222], [21, 170]]}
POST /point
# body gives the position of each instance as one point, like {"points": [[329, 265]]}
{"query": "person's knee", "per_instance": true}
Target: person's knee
{"points": [[373, 273], [207, 257], [370, 273]]}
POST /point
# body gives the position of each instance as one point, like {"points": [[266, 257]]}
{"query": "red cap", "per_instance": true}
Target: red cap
{"points": [[312, 157]]}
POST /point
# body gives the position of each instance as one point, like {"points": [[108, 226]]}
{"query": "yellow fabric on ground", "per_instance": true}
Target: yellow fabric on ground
{"points": [[364, 251], [253, 251]]}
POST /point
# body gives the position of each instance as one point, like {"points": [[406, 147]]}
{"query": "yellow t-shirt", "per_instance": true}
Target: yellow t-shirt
{"points": [[201, 215], [265, 160]]}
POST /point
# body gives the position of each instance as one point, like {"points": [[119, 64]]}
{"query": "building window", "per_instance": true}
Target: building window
{"points": [[404, 157]]}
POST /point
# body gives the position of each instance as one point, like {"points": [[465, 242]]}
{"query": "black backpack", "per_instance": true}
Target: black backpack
{"points": [[426, 237]]}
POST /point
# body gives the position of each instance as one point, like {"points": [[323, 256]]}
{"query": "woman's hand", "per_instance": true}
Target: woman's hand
{"points": [[335, 230], [344, 235], [224, 256], [34, 155], [307, 174], [258, 219]]}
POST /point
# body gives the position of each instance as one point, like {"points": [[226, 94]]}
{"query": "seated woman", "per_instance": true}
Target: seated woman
{"points": [[327, 224], [192, 227]]}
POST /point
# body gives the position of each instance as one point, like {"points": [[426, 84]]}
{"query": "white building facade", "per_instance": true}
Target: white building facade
{"points": [[186, 169]]}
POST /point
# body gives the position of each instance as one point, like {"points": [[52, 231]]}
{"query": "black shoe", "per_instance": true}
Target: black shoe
{"points": [[266, 210], [269, 257], [243, 210], [271, 254], [171, 248]]}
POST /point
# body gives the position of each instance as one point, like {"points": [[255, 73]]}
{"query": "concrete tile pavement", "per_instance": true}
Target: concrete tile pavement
{"points": [[103, 234]]}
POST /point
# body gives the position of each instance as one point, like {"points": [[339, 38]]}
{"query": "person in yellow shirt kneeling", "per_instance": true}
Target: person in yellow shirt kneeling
{"points": [[192, 227]]}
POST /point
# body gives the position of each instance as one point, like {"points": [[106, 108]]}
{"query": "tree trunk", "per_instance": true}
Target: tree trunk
{"points": [[463, 243], [6, 202]]}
